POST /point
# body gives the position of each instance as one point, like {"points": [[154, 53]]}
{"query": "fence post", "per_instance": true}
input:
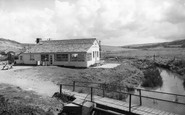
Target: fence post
{"points": [[130, 100], [60, 88], [103, 92], [140, 97], [91, 94], [73, 85]]}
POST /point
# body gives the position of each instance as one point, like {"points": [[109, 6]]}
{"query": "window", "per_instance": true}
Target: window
{"points": [[61, 57], [97, 54], [77, 57], [89, 56], [93, 54], [20, 57], [31, 57], [44, 57]]}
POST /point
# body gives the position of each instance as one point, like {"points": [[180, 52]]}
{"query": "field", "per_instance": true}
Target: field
{"points": [[43, 80], [149, 53]]}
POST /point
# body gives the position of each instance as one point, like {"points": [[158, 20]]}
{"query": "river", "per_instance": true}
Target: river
{"points": [[171, 84]]}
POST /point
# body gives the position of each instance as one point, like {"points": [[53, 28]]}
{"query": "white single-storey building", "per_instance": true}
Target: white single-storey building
{"points": [[71, 52]]}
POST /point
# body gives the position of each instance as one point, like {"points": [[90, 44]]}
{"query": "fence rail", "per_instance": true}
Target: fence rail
{"points": [[74, 85]]}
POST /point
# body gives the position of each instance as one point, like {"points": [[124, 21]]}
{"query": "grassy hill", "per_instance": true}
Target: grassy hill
{"points": [[106, 48], [10, 45], [173, 44]]}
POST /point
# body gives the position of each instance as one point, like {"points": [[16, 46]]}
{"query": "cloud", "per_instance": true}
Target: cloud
{"points": [[115, 22]]}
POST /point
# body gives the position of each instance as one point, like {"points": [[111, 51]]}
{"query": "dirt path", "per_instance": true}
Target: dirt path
{"points": [[40, 86]]}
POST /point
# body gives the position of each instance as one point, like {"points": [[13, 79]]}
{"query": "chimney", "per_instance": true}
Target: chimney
{"points": [[38, 40]]}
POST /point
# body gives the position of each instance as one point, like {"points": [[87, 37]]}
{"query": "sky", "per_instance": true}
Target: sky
{"points": [[114, 22]]}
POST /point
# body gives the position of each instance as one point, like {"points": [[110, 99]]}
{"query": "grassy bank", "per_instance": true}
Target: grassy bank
{"points": [[169, 58], [151, 79], [15, 101]]}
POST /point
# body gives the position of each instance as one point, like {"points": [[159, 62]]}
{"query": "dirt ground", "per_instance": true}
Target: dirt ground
{"points": [[43, 79]]}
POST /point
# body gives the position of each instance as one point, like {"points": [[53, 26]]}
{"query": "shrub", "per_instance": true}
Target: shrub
{"points": [[152, 78], [64, 97]]}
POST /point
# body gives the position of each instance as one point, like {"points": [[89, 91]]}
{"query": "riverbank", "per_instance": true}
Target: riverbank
{"points": [[175, 65], [150, 74]]}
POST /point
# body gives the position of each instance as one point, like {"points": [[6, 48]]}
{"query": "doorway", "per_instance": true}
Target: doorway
{"points": [[50, 59]]}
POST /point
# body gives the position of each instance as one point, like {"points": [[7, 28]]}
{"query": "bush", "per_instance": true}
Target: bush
{"points": [[64, 97], [152, 78]]}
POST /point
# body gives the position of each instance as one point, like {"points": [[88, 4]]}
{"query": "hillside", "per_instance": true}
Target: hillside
{"points": [[172, 44], [10, 45], [106, 48]]}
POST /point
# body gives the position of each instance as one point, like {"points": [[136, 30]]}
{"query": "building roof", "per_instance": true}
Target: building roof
{"points": [[54, 46]]}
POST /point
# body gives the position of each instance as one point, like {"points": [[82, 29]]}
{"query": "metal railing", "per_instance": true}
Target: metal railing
{"points": [[74, 85]]}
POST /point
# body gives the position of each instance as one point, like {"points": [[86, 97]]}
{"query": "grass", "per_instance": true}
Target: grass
{"points": [[15, 101], [163, 57], [178, 53], [134, 68]]}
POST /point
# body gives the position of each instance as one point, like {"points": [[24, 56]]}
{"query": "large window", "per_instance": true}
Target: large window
{"points": [[31, 57], [89, 56], [61, 57], [77, 57], [44, 57]]}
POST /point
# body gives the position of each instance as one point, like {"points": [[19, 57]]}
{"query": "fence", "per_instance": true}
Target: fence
{"points": [[129, 92]]}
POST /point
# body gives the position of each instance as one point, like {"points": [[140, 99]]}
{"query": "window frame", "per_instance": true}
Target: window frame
{"points": [[80, 57], [21, 58], [32, 57], [89, 56], [46, 57], [61, 57]]}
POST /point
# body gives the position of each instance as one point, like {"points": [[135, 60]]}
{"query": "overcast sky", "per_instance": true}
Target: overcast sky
{"points": [[114, 22]]}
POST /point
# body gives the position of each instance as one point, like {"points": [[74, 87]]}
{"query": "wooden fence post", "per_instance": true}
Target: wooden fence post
{"points": [[140, 98], [103, 92], [60, 88], [73, 85], [91, 94], [130, 100]]}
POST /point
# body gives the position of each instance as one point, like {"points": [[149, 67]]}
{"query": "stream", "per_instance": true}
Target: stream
{"points": [[171, 84]]}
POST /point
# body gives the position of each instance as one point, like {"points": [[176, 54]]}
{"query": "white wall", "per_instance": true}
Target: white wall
{"points": [[37, 57], [26, 59], [94, 47]]}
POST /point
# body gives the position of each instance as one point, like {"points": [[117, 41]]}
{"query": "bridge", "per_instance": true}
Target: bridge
{"points": [[99, 94]]}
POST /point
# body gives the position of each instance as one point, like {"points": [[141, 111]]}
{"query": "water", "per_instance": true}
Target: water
{"points": [[171, 84]]}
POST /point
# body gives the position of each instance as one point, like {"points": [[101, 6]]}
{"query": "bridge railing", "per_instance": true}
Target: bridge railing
{"points": [[102, 89]]}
